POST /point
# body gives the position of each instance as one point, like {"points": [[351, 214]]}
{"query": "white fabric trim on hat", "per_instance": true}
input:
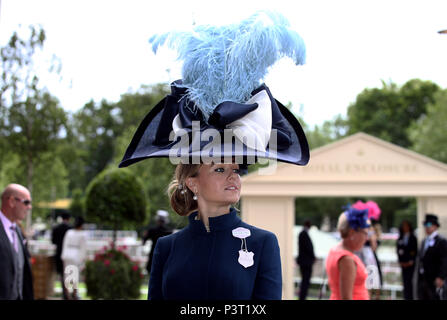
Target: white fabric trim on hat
{"points": [[176, 125], [255, 126], [253, 129]]}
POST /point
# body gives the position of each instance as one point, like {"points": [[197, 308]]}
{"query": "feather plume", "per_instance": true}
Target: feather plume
{"points": [[227, 63]]}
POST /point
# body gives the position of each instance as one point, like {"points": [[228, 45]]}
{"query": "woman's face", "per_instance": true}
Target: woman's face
{"points": [[217, 184], [405, 227], [358, 238]]}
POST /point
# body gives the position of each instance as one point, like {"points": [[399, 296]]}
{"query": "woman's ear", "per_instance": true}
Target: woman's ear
{"points": [[350, 232], [191, 184]]}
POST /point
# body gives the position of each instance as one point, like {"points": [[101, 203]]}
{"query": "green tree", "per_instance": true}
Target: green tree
{"points": [[32, 122], [429, 133], [133, 106], [155, 175], [388, 112], [97, 127], [116, 197], [8, 168], [77, 205], [50, 182], [74, 157], [326, 133]]}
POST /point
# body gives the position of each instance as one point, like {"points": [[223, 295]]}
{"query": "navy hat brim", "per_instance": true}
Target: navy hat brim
{"points": [[151, 140]]}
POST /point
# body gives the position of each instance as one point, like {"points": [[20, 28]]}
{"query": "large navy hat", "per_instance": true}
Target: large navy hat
{"points": [[172, 118], [431, 218], [220, 110]]}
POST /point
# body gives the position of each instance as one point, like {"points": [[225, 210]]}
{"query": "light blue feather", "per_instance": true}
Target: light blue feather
{"points": [[227, 63]]}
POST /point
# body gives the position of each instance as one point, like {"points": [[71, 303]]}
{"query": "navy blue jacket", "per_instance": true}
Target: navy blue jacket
{"points": [[193, 264]]}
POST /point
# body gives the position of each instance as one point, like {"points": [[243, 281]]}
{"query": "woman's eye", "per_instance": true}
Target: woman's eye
{"points": [[237, 171]]}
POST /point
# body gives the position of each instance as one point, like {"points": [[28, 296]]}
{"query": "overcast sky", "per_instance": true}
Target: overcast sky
{"points": [[351, 45]]}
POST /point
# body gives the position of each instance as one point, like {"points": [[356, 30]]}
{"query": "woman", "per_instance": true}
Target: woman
{"points": [[74, 254], [217, 256], [346, 272], [407, 247], [368, 255], [219, 110]]}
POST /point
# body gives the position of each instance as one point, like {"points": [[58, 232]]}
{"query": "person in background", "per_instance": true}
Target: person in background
{"points": [[153, 234], [16, 279], [346, 272], [407, 247], [368, 254], [57, 238], [306, 259], [432, 266], [74, 254]]}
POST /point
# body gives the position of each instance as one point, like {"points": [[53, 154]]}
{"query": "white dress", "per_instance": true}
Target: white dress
{"points": [[74, 248]]}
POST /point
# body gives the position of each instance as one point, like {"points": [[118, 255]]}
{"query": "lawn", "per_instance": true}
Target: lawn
{"points": [[82, 291]]}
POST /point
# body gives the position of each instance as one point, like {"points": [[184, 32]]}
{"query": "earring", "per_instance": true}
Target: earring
{"points": [[195, 195], [180, 187]]}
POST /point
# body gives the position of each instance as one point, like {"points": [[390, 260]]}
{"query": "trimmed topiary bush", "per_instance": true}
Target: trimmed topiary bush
{"points": [[113, 275], [115, 197]]}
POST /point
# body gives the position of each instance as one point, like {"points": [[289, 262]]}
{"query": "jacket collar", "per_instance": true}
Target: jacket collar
{"points": [[220, 223], [433, 235], [5, 239]]}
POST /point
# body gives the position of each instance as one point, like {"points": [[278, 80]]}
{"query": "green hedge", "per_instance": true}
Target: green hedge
{"points": [[113, 275]]}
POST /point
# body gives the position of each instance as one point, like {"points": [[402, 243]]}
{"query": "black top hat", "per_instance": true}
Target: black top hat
{"points": [[65, 215], [429, 217], [219, 111]]}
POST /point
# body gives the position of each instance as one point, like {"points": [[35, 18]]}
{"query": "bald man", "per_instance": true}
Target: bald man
{"points": [[16, 281]]}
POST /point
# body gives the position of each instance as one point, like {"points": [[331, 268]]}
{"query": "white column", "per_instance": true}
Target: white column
{"points": [[275, 214], [434, 205]]}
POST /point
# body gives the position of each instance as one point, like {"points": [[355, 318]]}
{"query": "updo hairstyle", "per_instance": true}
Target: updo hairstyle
{"points": [[179, 194]]}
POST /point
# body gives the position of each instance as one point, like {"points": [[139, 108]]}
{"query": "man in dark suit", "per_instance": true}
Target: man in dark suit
{"points": [[306, 259], [432, 269], [57, 238], [16, 282], [154, 233], [407, 249]]}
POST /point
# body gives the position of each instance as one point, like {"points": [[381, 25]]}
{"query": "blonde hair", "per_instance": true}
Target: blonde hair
{"points": [[179, 194], [343, 225], [377, 229]]}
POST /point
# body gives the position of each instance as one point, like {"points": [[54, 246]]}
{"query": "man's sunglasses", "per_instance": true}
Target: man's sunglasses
{"points": [[25, 202]]}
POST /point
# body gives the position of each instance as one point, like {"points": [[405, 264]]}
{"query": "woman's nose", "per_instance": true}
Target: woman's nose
{"points": [[232, 175]]}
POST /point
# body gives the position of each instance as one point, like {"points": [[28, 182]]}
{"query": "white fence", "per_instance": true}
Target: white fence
{"points": [[98, 240]]}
